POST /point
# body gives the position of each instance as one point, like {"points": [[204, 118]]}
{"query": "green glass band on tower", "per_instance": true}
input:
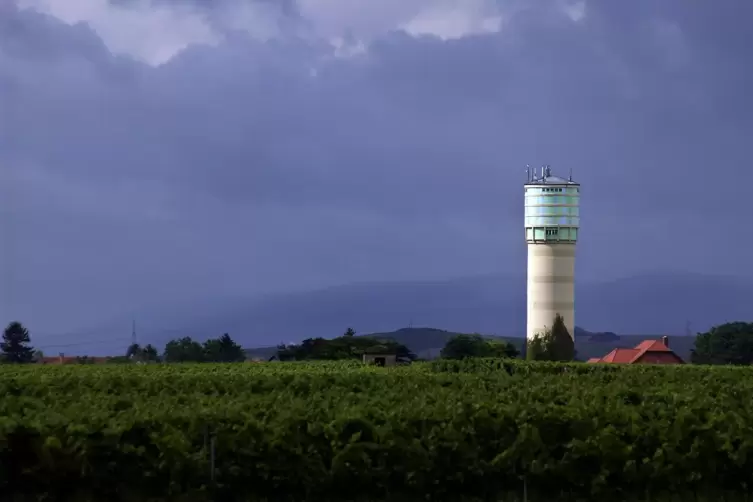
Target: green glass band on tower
{"points": [[552, 212]]}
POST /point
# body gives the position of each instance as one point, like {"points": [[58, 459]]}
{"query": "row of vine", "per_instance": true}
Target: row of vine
{"points": [[343, 431]]}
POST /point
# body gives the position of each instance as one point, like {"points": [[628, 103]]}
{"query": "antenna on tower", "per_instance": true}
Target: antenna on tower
{"points": [[528, 172], [133, 332], [571, 174]]}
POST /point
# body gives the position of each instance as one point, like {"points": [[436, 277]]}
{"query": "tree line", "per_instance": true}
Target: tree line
{"points": [[730, 343], [16, 348], [187, 350], [553, 344], [347, 346]]}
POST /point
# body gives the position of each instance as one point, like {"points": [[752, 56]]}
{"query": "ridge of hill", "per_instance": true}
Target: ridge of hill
{"points": [[496, 305], [649, 305]]}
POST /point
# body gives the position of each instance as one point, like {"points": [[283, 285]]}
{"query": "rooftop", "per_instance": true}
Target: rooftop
{"points": [[630, 356], [551, 180], [545, 177]]}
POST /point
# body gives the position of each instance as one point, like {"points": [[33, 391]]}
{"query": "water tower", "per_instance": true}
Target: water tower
{"points": [[552, 220]]}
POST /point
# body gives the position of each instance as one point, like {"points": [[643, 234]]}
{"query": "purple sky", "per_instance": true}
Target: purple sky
{"points": [[160, 151]]}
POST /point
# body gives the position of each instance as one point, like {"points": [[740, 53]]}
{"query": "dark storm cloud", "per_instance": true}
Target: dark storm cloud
{"points": [[273, 164]]}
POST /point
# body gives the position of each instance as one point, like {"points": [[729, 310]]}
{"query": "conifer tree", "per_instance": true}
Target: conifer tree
{"points": [[563, 345], [15, 346], [553, 344]]}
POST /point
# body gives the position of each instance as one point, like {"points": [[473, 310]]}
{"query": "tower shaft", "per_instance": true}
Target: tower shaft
{"points": [[552, 222], [551, 286]]}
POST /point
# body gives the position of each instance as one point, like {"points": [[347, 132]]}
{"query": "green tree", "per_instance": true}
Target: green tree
{"points": [[223, 350], [554, 344], [284, 352], [15, 346], [462, 346], [536, 346], [730, 343], [184, 350], [149, 353], [138, 353], [344, 347], [500, 348], [134, 352], [350, 332], [563, 344]]}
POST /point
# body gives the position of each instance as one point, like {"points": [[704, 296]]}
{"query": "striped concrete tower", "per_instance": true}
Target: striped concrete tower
{"points": [[552, 221]]}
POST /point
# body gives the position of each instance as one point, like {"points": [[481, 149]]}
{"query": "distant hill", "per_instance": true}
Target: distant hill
{"points": [[419, 339], [661, 303], [428, 342], [646, 305], [656, 304], [604, 337]]}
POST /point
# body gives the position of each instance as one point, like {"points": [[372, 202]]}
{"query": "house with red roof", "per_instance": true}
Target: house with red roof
{"points": [[646, 352]]}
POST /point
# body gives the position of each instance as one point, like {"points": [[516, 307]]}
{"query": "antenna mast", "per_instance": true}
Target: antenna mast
{"points": [[133, 332]]}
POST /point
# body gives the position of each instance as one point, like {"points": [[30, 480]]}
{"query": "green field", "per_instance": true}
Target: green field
{"points": [[479, 430]]}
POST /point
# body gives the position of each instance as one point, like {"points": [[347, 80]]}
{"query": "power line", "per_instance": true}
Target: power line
{"points": [[38, 340], [79, 344], [90, 333]]}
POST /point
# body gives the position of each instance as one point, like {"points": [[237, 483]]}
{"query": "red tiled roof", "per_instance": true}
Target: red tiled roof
{"points": [[653, 346], [629, 356], [621, 356]]}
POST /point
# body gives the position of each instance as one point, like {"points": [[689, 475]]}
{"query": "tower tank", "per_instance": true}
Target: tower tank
{"points": [[552, 221]]}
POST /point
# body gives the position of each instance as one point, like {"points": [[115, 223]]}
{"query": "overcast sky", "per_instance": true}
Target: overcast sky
{"points": [[162, 150]]}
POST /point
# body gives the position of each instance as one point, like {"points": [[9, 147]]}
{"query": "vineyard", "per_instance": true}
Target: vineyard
{"points": [[447, 430]]}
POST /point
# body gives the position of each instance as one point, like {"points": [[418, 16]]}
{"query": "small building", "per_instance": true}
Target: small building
{"points": [[380, 359], [646, 352]]}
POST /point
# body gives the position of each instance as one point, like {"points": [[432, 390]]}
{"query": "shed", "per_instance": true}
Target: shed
{"points": [[380, 359]]}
